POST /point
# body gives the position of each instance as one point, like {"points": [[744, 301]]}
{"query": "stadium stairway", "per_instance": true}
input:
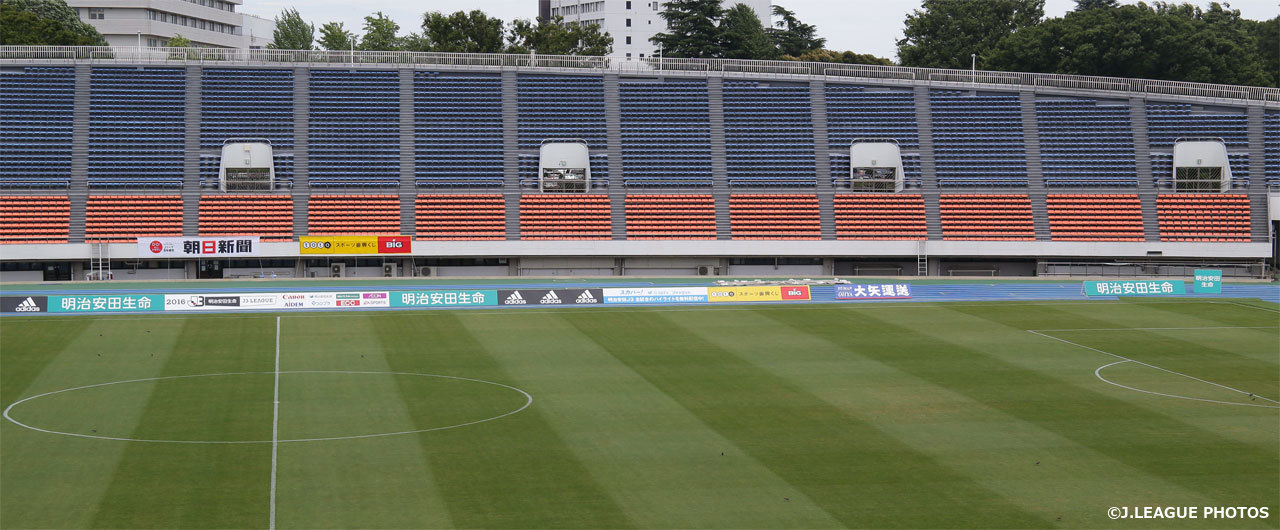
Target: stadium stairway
{"points": [[1035, 174], [613, 128], [822, 157], [1146, 182], [719, 162], [928, 164], [511, 154]]}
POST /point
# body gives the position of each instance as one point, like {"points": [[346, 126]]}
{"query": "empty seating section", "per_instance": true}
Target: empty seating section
{"points": [[684, 216], [461, 217], [354, 137], [768, 135], [911, 173], [978, 139], [986, 217], [1095, 217], [1086, 143], [880, 216], [855, 112], [527, 170], [209, 170], [37, 107], [34, 219], [246, 103], [666, 133], [269, 217], [457, 129], [560, 107], [125, 218], [569, 216], [1167, 122], [1271, 143], [1203, 217], [353, 215], [774, 216], [137, 127]]}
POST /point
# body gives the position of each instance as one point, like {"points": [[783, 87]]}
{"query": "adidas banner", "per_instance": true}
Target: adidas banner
{"points": [[24, 304], [577, 296]]}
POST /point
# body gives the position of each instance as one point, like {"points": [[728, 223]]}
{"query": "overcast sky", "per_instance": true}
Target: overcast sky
{"points": [[864, 26]]}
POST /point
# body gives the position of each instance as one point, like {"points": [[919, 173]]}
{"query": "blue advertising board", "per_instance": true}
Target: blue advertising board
{"points": [[886, 291], [1207, 281], [1135, 288]]}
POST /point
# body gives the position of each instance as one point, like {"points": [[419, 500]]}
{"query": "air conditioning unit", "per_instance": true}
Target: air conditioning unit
{"points": [[337, 270], [426, 271], [704, 270], [388, 270]]}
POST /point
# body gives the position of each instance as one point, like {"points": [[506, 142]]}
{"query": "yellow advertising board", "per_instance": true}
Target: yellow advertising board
{"points": [[758, 293], [338, 244]]}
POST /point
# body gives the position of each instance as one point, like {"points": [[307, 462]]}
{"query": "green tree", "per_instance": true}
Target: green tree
{"points": [[691, 29], [380, 34], [178, 41], [45, 23], [1164, 41], [292, 33], [1085, 5], [831, 56], [335, 37], [460, 32], [943, 33], [1267, 34], [793, 37], [742, 36], [554, 37]]}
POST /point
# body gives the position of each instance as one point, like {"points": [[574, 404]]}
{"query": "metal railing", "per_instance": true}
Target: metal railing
{"points": [[930, 76]]}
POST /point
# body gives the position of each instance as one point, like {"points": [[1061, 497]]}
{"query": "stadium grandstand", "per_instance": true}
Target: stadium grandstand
{"points": [[514, 165]]}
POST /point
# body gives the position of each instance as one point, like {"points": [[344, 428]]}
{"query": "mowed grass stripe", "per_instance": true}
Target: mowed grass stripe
{"points": [[512, 473], [1001, 452], [192, 485], [662, 464], [22, 365], [372, 482], [55, 481], [856, 473], [1220, 468]]}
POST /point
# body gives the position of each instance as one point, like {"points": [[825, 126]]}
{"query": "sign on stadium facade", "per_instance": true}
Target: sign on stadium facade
{"points": [[178, 247], [355, 244]]}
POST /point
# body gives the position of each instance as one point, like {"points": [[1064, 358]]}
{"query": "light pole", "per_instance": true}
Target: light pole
{"points": [[973, 69]]}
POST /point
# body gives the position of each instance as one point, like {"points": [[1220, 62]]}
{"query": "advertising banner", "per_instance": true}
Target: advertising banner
{"points": [[24, 304], [178, 247], [884, 291], [577, 296], [444, 298], [355, 244], [655, 295], [99, 303], [1134, 288], [760, 293], [1207, 281]]}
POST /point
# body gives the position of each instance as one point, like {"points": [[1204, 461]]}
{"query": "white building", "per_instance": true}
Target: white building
{"points": [[207, 23], [258, 31], [630, 22]]}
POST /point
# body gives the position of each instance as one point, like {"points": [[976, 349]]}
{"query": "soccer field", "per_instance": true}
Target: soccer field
{"points": [[1005, 414]]}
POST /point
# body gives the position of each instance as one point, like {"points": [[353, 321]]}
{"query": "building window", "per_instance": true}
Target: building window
{"points": [[642, 56], [655, 6], [628, 22], [628, 55], [628, 39], [153, 43], [628, 4], [97, 13]]}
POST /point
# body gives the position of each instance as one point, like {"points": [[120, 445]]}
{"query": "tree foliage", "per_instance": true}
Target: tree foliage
{"points": [[178, 41], [292, 33], [380, 34], [943, 33], [460, 32], [1165, 41], [831, 56], [742, 36], [554, 37], [793, 37], [45, 23], [335, 37], [691, 29]]}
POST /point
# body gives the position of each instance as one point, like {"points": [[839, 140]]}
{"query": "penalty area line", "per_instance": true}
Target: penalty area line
{"points": [[1149, 365]]}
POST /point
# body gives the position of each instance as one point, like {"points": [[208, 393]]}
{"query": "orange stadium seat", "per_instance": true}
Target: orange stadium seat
{"points": [[353, 215], [579, 216], [34, 218], [774, 216], [683, 216], [1095, 217], [125, 218], [1211, 217], [986, 217], [880, 216], [461, 217], [269, 217]]}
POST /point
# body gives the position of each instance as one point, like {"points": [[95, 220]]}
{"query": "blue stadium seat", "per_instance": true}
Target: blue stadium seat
{"points": [[137, 127], [553, 107], [354, 139], [666, 133], [768, 132], [978, 139], [457, 130], [1084, 143]]}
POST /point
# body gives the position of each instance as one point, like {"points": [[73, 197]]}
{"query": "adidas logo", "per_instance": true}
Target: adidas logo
{"points": [[586, 298], [550, 298], [28, 305], [514, 299]]}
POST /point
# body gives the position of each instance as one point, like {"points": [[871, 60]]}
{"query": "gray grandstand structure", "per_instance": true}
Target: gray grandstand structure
{"points": [[696, 166]]}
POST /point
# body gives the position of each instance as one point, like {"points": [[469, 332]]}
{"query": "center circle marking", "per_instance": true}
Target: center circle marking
{"points": [[9, 409]]}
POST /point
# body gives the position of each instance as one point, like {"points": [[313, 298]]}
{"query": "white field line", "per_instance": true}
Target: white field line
{"points": [[1098, 373], [8, 410], [1259, 308], [1159, 329], [324, 313], [1149, 365], [275, 430]]}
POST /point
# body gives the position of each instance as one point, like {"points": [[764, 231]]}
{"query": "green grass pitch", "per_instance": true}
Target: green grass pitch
{"points": [[767, 416]]}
